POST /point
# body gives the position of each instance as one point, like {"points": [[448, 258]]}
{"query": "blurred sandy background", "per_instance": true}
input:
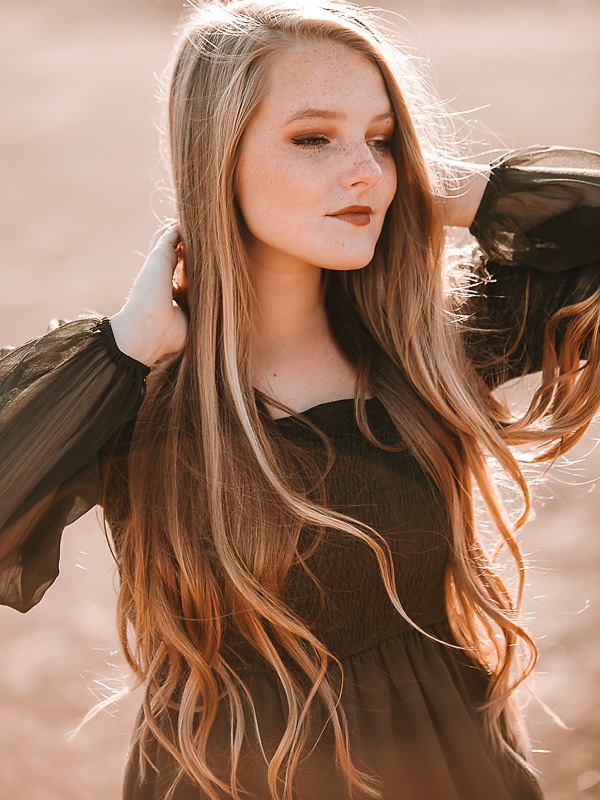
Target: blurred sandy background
{"points": [[78, 169]]}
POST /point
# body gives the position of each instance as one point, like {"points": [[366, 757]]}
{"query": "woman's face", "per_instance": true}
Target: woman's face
{"points": [[318, 144]]}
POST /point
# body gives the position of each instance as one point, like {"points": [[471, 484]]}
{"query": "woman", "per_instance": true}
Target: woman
{"points": [[287, 456]]}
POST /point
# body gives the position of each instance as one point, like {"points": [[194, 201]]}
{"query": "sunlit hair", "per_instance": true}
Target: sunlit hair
{"points": [[216, 500]]}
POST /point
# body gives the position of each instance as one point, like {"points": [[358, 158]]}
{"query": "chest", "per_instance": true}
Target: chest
{"points": [[392, 494], [308, 379]]}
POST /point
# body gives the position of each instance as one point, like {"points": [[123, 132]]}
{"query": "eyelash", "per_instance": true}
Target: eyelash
{"points": [[321, 141]]}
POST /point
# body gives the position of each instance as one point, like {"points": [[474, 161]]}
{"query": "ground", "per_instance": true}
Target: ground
{"points": [[82, 191]]}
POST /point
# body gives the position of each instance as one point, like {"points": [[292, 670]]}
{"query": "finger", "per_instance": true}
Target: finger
{"points": [[171, 233], [156, 236], [164, 229], [167, 245]]}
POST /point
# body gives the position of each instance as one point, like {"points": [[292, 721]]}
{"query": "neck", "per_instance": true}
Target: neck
{"points": [[295, 359], [291, 315]]}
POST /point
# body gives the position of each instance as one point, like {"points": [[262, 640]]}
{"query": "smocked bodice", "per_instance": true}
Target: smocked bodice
{"points": [[391, 493]]}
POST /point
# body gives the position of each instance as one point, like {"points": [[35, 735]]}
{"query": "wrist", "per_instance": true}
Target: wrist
{"points": [[132, 339], [461, 207]]}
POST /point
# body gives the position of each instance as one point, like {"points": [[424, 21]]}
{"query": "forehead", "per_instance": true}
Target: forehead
{"points": [[324, 75]]}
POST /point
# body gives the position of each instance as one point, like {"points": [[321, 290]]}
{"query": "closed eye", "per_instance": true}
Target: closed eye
{"points": [[311, 141]]}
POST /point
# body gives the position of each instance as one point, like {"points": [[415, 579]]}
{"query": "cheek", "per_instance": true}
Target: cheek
{"points": [[262, 204], [256, 184], [391, 181], [275, 196]]}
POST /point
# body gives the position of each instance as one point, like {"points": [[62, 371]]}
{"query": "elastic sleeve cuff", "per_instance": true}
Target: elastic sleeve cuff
{"points": [[112, 348]]}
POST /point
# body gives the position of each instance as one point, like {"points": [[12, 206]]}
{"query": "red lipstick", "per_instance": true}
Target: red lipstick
{"points": [[355, 215]]}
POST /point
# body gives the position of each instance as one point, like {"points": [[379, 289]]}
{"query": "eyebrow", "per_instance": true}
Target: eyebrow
{"points": [[324, 113]]}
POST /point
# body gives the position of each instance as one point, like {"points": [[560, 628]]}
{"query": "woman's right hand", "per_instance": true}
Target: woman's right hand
{"points": [[151, 324]]}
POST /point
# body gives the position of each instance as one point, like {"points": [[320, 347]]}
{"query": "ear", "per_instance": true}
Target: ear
{"points": [[180, 281]]}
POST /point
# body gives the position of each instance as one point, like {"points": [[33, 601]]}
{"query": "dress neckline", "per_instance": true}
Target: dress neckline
{"points": [[331, 405], [337, 418]]}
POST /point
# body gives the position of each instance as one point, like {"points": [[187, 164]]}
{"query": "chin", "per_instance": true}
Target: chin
{"points": [[347, 267], [348, 264], [350, 261]]}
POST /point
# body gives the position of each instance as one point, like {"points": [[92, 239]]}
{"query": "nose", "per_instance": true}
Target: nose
{"points": [[361, 167]]}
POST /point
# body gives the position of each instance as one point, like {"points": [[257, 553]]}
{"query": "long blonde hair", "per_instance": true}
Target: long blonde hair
{"points": [[194, 564]]}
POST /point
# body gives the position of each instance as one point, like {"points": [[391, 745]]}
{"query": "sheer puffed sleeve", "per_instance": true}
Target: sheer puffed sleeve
{"points": [[538, 230], [62, 396]]}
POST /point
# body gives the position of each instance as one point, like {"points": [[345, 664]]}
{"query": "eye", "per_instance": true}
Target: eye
{"points": [[380, 144], [313, 142]]}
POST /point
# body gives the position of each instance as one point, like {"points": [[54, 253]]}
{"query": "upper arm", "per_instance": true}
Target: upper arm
{"points": [[538, 231]]}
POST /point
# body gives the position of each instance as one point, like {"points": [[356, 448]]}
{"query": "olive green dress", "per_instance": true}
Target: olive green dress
{"points": [[411, 703]]}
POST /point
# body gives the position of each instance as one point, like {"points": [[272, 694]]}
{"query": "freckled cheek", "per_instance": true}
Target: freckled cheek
{"points": [[274, 192], [298, 184], [392, 183], [258, 196]]}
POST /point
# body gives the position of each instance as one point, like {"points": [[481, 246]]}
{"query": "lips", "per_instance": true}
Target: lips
{"points": [[355, 215]]}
